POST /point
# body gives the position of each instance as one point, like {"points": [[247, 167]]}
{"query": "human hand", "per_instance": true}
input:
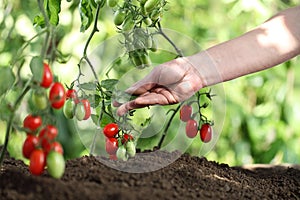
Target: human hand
{"points": [[168, 83]]}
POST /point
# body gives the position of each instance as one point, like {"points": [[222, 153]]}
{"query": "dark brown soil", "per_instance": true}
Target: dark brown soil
{"points": [[186, 178]]}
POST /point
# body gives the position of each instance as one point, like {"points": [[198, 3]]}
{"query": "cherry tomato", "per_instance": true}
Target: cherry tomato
{"points": [[29, 145], [191, 128], [150, 5], [47, 76], [122, 153], [69, 108], [49, 132], [185, 113], [113, 157], [57, 95], [206, 132], [126, 138], [111, 145], [80, 111], [39, 99], [110, 130], [56, 146], [130, 149], [87, 108], [32, 123], [37, 162], [55, 164], [72, 94], [112, 3], [119, 17]]}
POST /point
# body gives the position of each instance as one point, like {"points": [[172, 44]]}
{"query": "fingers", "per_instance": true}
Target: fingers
{"points": [[163, 98]]}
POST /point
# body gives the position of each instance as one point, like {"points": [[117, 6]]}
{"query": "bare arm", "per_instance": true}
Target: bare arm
{"points": [[275, 41]]}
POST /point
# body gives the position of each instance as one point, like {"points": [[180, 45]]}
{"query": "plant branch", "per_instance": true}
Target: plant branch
{"points": [[10, 121], [160, 31]]}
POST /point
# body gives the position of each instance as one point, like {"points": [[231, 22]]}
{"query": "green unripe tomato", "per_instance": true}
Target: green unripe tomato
{"points": [[145, 60], [128, 25], [55, 164], [39, 99], [121, 153], [130, 149], [119, 17], [147, 21], [150, 5], [112, 3], [69, 109], [80, 111]]}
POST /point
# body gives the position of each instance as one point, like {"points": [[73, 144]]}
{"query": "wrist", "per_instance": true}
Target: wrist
{"points": [[206, 68]]}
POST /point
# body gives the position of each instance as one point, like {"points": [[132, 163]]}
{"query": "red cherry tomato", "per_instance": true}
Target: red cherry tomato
{"points": [[113, 157], [29, 145], [47, 77], [126, 138], [110, 130], [111, 146], [191, 128], [37, 162], [87, 108], [56, 146], [57, 95], [206, 132], [72, 94], [32, 123], [46, 137], [49, 132], [185, 113]]}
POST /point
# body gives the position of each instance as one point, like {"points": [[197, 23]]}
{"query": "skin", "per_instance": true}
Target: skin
{"points": [[269, 44]]}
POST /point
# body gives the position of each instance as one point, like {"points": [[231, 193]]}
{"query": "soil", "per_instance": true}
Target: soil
{"points": [[185, 178]]}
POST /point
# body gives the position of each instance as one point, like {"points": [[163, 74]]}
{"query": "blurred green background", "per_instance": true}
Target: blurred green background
{"points": [[261, 111]]}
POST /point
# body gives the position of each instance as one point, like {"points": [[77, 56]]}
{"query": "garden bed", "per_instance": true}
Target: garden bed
{"points": [[186, 178]]}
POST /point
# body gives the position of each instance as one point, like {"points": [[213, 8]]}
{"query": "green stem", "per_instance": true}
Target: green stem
{"points": [[160, 31], [10, 121], [168, 125]]}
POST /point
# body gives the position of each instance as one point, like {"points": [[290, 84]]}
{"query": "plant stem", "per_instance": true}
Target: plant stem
{"points": [[10, 121], [168, 125], [160, 31]]}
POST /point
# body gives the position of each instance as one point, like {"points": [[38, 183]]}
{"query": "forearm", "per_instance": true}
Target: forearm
{"points": [[268, 45]]}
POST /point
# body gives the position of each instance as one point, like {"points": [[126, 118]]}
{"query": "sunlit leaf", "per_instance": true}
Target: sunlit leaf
{"points": [[7, 79]]}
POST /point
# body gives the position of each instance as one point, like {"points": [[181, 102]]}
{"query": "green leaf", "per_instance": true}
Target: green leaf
{"points": [[39, 20], [109, 84], [36, 66], [53, 11], [5, 111], [86, 14], [88, 86], [7, 79]]}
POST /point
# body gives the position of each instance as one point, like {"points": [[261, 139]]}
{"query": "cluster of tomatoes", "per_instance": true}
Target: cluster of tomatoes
{"points": [[41, 148], [40, 145], [118, 145], [192, 128], [80, 108]]}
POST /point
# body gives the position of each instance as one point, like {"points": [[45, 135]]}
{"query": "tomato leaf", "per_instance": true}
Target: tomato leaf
{"points": [[7, 79], [109, 84], [148, 143], [36, 67], [86, 14], [91, 86], [53, 11]]}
